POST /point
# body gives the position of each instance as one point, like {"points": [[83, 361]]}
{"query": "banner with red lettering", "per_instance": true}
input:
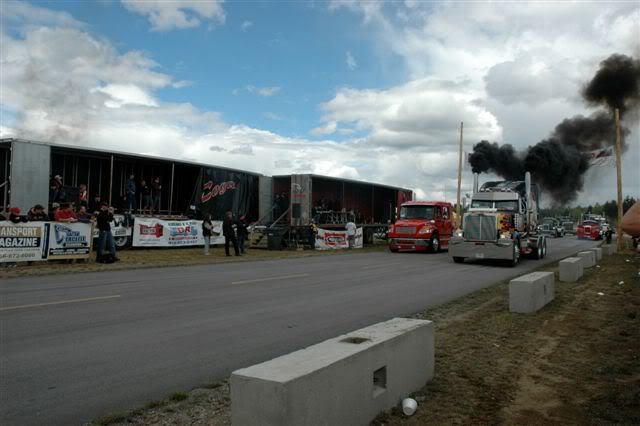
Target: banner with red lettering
{"points": [[152, 232], [328, 239], [219, 191]]}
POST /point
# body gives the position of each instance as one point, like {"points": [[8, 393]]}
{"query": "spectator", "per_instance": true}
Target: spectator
{"points": [[37, 214], [55, 188], [145, 193], [54, 210], [105, 237], [313, 234], [66, 214], [242, 233], [156, 192], [229, 234], [83, 215], [351, 234], [83, 195], [131, 193], [14, 215], [94, 206], [207, 232]]}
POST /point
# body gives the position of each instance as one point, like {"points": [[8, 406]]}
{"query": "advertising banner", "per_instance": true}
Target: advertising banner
{"points": [[219, 191], [332, 240], [119, 227], [23, 242], [151, 232], [70, 240]]}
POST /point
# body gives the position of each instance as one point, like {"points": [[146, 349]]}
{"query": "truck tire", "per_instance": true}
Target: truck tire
{"points": [[458, 259], [516, 254], [434, 243], [544, 247], [537, 253]]}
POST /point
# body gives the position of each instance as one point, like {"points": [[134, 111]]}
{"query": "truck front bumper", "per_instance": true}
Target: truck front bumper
{"points": [[458, 247], [415, 244]]}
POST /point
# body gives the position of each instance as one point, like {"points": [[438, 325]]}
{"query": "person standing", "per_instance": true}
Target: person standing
{"points": [[207, 232], [156, 191], [242, 232], [313, 234], [351, 234], [131, 193], [146, 197], [105, 237], [229, 234], [83, 195]]}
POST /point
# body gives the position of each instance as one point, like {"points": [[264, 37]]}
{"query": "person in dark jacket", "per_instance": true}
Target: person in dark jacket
{"points": [[131, 193], [105, 237], [229, 234], [145, 194], [207, 232], [37, 214], [242, 233], [14, 215]]}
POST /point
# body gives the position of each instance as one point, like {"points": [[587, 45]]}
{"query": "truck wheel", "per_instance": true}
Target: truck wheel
{"points": [[544, 247], [516, 254], [458, 259], [434, 243]]}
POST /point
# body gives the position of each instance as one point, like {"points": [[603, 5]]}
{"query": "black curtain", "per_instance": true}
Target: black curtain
{"points": [[219, 191]]}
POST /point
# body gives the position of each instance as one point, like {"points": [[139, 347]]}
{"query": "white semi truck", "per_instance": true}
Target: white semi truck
{"points": [[501, 223]]}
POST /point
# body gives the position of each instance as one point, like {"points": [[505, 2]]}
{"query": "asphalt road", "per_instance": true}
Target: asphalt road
{"points": [[74, 347]]}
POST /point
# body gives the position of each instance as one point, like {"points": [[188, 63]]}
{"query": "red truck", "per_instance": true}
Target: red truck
{"points": [[422, 226]]}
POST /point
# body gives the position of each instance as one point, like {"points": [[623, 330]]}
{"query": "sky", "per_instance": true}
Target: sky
{"points": [[367, 90]]}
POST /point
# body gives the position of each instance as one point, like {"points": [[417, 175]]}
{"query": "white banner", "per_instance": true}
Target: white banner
{"points": [[118, 227], [602, 157], [328, 239], [70, 240], [23, 242], [152, 232]]}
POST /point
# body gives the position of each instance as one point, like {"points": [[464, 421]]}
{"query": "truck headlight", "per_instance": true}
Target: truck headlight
{"points": [[505, 236], [459, 233], [424, 231]]}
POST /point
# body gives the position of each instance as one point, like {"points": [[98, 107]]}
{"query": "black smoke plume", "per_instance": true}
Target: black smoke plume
{"points": [[558, 163]]}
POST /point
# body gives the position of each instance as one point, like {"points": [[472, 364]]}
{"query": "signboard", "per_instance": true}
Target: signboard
{"points": [[331, 240], [119, 227], [23, 242], [70, 240], [152, 232], [219, 191]]}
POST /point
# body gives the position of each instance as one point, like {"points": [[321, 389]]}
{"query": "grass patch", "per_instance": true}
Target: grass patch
{"points": [[178, 396]]}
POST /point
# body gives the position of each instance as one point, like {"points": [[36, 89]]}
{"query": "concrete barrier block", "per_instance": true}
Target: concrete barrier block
{"points": [[571, 269], [588, 258], [531, 292], [347, 380], [598, 252], [609, 249]]}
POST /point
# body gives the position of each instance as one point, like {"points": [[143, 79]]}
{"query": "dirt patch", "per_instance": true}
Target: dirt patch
{"points": [[573, 362]]}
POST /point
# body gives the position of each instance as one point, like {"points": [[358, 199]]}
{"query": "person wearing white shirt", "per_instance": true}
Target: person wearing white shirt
{"points": [[351, 234]]}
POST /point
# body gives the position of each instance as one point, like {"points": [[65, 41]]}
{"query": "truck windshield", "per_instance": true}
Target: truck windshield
{"points": [[501, 205], [417, 212]]}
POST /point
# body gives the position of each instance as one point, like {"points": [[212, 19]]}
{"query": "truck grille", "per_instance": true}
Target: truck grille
{"points": [[480, 228], [406, 230]]}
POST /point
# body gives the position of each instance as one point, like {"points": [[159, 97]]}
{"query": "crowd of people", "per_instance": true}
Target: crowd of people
{"points": [[234, 231]]}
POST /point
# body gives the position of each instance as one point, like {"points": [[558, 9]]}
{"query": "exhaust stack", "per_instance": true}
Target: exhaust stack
{"points": [[527, 188], [475, 183]]}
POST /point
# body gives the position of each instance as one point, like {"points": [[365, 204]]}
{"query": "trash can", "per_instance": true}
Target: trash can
{"points": [[274, 240]]}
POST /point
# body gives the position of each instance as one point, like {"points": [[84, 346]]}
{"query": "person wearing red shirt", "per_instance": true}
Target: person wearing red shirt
{"points": [[66, 214]]}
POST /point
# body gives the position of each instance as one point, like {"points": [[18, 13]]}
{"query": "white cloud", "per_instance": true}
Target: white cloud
{"points": [[126, 94], [263, 91], [351, 61], [246, 25], [21, 12], [169, 15]]}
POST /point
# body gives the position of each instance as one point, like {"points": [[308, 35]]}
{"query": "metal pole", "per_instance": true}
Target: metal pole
{"points": [[458, 219], [619, 176], [110, 181], [173, 169]]}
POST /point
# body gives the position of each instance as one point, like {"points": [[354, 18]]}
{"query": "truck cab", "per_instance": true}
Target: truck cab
{"points": [[422, 226]]}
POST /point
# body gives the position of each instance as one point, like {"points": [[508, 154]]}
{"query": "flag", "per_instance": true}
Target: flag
{"points": [[602, 157]]}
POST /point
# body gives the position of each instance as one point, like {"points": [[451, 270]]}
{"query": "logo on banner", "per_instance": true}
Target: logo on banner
{"points": [[334, 239], [179, 230], [13, 236], [151, 230], [215, 190], [67, 237]]}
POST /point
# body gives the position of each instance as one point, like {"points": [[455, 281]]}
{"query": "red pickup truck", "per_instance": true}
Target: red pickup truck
{"points": [[422, 226]]}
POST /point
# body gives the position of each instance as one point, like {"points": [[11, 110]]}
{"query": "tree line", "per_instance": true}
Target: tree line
{"points": [[608, 209]]}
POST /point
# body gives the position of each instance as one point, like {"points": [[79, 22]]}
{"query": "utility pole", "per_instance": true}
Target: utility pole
{"points": [[619, 176], [458, 210]]}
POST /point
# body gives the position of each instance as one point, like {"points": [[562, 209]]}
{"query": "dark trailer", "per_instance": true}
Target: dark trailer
{"points": [[188, 188], [332, 202]]}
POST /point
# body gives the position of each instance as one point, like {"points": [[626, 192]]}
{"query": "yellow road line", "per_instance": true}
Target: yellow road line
{"points": [[282, 277], [61, 302]]}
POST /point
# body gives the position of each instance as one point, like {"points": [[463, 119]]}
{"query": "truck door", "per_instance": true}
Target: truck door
{"points": [[446, 227]]}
